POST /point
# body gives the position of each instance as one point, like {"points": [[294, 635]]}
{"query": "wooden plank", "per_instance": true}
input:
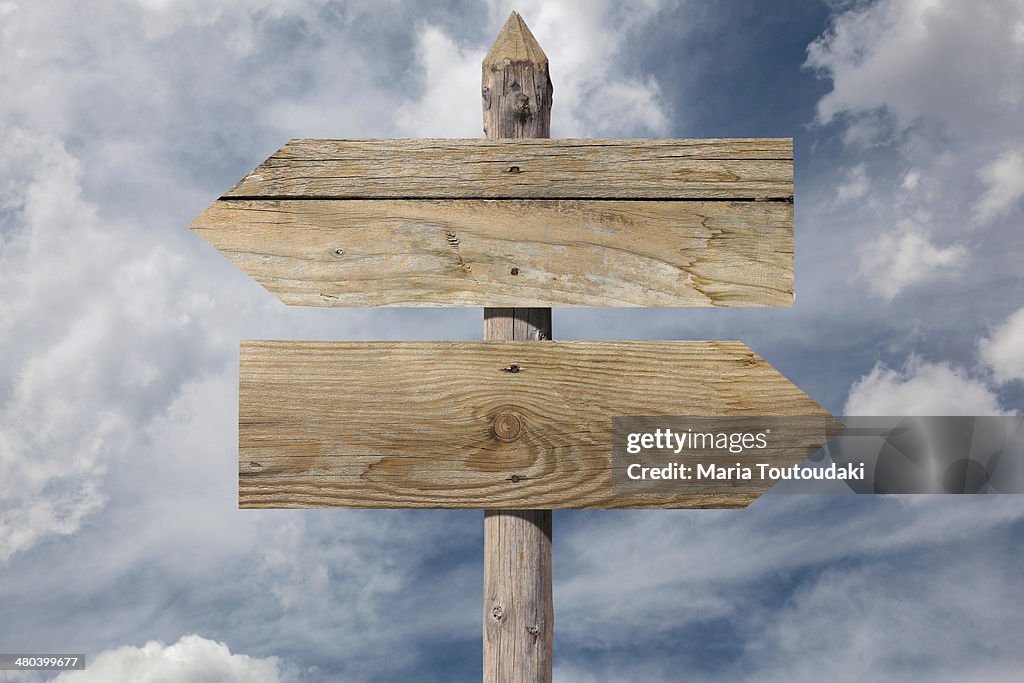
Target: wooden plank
{"points": [[508, 253], [741, 168], [411, 424]]}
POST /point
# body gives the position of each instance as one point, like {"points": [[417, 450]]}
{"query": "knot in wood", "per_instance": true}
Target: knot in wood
{"points": [[506, 426], [521, 106], [533, 630], [497, 612]]}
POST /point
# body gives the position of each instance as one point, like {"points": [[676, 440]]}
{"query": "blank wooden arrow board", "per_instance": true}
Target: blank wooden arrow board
{"points": [[515, 223], [483, 424]]}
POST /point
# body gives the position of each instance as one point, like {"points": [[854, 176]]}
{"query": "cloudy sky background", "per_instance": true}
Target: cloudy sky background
{"points": [[119, 332]]}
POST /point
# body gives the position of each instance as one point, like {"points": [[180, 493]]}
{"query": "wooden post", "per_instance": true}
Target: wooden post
{"points": [[518, 615]]}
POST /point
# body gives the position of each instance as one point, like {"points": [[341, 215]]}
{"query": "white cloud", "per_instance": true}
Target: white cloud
{"points": [[1003, 351], [707, 568], [955, 62], [99, 329], [242, 21], [296, 576], [921, 388], [1004, 178], [855, 186], [450, 103], [869, 623], [193, 659], [911, 179], [906, 256], [936, 86]]}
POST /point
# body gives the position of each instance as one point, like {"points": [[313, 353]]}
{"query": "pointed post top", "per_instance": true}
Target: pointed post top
{"points": [[515, 43], [515, 85]]}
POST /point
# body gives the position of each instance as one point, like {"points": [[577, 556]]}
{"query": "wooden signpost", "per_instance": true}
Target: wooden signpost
{"points": [[517, 424]]}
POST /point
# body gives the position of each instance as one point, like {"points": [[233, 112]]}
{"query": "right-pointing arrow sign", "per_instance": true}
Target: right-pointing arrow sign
{"points": [[499, 424]]}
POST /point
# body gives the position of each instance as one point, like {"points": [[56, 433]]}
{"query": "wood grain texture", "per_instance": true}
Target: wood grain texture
{"points": [[409, 424], [517, 324], [515, 44], [516, 88], [525, 169], [519, 615], [508, 253]]}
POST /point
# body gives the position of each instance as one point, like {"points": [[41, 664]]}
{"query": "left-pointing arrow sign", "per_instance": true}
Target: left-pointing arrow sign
{"points": [[515, 223]]}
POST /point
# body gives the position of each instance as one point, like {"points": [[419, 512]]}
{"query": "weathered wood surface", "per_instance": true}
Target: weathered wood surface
{"points": [[518, 608], [525, 169], [519, 616], [516, 87], [411, 424], [517, 324], [509, 253]]}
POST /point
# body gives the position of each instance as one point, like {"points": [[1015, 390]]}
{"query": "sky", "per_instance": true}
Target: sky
{"points": [[120, 535]]}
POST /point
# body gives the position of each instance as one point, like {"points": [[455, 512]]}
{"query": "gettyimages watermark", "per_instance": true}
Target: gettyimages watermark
{"points": [[818, 454]]}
